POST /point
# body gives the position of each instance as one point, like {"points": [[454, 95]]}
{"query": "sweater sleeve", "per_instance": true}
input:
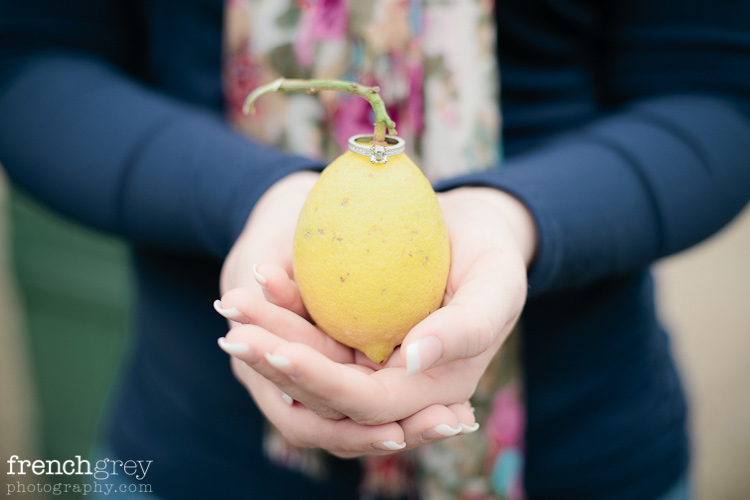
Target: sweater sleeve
{"points": [[666, 163], [96, 144]]}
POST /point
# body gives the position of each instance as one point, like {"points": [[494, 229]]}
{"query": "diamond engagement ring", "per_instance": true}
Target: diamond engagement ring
{"points": [[377, 154]]}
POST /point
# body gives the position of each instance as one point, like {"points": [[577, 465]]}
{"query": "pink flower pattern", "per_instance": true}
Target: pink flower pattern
{"points": [[319, 20]]}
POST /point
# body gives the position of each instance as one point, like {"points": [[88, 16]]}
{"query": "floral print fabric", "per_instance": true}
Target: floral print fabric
{"points": [[433, 60], [435, 64]]}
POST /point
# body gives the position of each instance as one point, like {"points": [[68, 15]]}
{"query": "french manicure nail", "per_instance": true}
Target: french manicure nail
{"points": [[287, 398], [422, 354], [283, 364], [230, 314], [277, 361], [232, 348], [468, 429], [262, 281], [441, 431], [389, 445]]}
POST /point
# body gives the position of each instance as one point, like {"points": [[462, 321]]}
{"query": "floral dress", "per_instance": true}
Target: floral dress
{"points": [[435, 63]]}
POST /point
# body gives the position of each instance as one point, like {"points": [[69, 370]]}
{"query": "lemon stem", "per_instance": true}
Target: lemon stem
{"points": [[372, 94]]}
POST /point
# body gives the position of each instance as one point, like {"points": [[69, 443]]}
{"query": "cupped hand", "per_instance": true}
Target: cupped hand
{"points": [[493, 241], [269, 302], [443, 357]]}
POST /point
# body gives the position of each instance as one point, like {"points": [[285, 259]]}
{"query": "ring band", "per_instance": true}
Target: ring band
{"points": [[377, 154]]}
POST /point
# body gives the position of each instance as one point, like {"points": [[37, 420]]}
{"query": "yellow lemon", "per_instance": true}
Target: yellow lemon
{"points": [[371, 252]]}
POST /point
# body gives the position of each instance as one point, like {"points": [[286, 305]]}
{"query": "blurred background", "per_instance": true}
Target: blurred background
{"points": [[60, 352], [64, 299]]}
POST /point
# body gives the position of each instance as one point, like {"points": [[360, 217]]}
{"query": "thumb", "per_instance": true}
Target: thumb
{"points": [[447, 334], [478, 317]]}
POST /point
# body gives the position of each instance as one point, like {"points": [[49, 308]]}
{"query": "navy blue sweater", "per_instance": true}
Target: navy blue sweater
{"points": [[627, 130]]}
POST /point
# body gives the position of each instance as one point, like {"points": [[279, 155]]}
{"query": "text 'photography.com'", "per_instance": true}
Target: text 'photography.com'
{"points": [[77, 476]]}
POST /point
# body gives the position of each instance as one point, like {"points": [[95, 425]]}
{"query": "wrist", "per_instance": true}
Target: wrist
{"points": [[290, 190], [514, 213], [297, 182]]}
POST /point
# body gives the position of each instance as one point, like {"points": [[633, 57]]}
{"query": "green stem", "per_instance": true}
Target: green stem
{"points": [[372, 94]]}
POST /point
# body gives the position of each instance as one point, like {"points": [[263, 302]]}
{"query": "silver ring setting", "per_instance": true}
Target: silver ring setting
{"points": [[377, 154]]}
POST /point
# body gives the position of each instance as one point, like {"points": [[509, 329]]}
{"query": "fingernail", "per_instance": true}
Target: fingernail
{"points": [[468, 429], [233, 348], [231, 314], [441, 431], [422, 354], [277, 361], [262, 281], [389, 445], [287, 398], [283, 364], [473, 410]]}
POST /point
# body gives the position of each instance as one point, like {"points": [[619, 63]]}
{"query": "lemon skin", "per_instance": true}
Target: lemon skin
{"points": [[371, 252]]}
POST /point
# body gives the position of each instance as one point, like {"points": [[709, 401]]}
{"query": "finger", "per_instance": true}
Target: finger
{"points": [[434, 423], [486, 303], [303, 428], [438, 422], [466, 419], [365, 396], [308, 376], [278, 288], [249, 308], [264, 365]]}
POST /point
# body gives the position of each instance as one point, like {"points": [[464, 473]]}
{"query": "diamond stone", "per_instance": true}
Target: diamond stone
{"points": [[378, 155]]}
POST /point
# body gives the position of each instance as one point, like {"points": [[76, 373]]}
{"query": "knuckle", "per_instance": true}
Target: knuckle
{"points": [[379, 418], [376, 411], [328, 413], [483, 335]]}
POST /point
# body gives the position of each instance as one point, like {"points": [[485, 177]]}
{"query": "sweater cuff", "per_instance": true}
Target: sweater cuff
{"points": [[580, 214]]}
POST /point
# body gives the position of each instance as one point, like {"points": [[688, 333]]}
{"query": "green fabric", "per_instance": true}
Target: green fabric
{"points": [[73, 285]]}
